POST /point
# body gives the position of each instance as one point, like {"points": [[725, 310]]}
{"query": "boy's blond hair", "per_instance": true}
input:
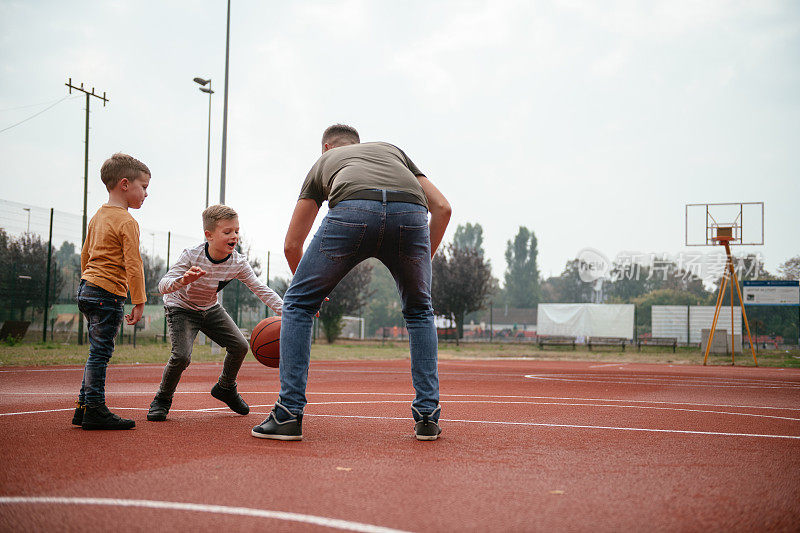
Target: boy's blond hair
{"points": [[214, 213], [120, 166]]}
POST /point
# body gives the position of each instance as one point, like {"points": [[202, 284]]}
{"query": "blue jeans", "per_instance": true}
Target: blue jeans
{"points": [[103, 311], [397, 234]]}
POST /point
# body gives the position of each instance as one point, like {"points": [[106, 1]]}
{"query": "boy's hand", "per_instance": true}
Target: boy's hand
{"points": [[136, 314], [193, 274]]}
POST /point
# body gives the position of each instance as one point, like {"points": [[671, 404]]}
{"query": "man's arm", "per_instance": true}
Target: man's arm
{"points": [[305, 212], [440, 211]]}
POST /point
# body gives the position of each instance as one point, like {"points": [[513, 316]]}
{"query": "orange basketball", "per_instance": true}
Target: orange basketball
{"points": [[265, 341]]}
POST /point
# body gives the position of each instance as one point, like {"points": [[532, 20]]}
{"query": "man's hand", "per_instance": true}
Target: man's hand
{"points": [[193, 274], [136, 314]]}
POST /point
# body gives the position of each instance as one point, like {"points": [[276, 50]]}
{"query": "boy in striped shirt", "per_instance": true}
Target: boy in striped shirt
{"points": [[190, 290]]}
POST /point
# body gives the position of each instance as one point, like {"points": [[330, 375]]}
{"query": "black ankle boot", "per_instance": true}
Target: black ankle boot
{"points": [[99, 417], [77, 417], [231, 398]]}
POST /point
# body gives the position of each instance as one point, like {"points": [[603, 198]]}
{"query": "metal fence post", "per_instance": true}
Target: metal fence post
{"points": [[169, 238], [47, 277]]}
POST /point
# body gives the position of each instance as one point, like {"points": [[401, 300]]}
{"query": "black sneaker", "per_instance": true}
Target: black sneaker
{"points": [[272, 428], [230, 397], [99, 417], [427, 426], [77, 417], [158, 409]]}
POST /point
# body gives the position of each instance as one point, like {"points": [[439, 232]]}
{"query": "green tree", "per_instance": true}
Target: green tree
{"points": [[462, 281], [384, 308], [154, 270], [747, 267], [349, 296], [567, 287], [68, 263], [645, 303], [280, 285], [23, 275], [469, 237], [790, 269], [630, 280], [522, 274]]}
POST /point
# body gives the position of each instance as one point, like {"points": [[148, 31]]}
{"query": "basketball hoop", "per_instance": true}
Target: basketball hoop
{"points": [[702, 219]]}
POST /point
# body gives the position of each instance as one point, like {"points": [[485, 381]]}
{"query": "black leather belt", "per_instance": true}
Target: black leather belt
{"points": [[384, 196]]}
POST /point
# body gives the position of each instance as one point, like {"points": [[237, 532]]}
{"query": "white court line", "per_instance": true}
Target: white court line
{"points": [[411, 395], [37, 412], [482, 421], [204, 508], [634, 380], [664, 377], [573, 426], [373, 402], [617, 406]]}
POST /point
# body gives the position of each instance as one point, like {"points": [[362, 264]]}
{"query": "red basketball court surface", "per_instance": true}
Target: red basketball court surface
{"points": [[526, 446]]}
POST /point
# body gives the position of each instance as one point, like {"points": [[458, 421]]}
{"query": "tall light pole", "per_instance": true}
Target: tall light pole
{"points": [[225, 108], [208, 90], [28, 209]]}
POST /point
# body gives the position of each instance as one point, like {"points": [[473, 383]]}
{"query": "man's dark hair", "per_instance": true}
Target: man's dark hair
{"points": [[340, 134]]}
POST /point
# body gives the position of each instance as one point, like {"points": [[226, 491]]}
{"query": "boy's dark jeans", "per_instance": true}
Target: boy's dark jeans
{"points": [[104, 312], [217, 324]]}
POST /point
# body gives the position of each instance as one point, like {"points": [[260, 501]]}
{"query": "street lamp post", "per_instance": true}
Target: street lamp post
{"points": [[28, 209], [225, 108], [208, 90]]}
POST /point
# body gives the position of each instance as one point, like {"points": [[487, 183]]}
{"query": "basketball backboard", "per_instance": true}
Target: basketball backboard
{"points": [[740, 224]]}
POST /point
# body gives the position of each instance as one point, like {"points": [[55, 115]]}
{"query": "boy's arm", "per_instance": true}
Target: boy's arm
{"points": [[264, 293], [440, 211], [173, 280], [84, 255], [134, 269]]}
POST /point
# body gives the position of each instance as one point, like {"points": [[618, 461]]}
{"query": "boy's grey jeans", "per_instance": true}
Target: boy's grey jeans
{"points": [[217, 324]]}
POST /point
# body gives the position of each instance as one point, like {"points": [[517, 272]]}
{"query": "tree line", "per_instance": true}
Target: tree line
{"points": [[463, 283]]}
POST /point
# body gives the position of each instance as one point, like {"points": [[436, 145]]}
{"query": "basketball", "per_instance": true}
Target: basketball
{"points": [[265, 341]]}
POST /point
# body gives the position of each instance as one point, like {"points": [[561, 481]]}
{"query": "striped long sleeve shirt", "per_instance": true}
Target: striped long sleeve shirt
{"points": [[202, 294]]}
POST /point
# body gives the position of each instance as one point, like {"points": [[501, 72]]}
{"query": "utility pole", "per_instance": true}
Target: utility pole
{"points": [[85, 174]]}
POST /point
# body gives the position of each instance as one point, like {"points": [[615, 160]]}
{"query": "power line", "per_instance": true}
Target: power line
{"points": [[35, 115], [27, 106]]}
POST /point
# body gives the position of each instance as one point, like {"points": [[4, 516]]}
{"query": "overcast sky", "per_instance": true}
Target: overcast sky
{"points": [[590, 123]]}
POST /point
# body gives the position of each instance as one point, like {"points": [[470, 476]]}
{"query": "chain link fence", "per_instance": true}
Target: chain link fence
{"points": [[40, 273]]}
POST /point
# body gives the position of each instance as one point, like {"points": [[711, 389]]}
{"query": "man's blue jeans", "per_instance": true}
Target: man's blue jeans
{"points": [[397, 234], [103, 311]]}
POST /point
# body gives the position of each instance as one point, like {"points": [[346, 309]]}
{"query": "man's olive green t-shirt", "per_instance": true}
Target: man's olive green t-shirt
{"points": [[344, 170]]}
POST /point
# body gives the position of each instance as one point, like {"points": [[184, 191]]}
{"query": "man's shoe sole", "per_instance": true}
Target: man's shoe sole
{"points": [[90, 427], [427, 437], [275, 437], [156, 418]]}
